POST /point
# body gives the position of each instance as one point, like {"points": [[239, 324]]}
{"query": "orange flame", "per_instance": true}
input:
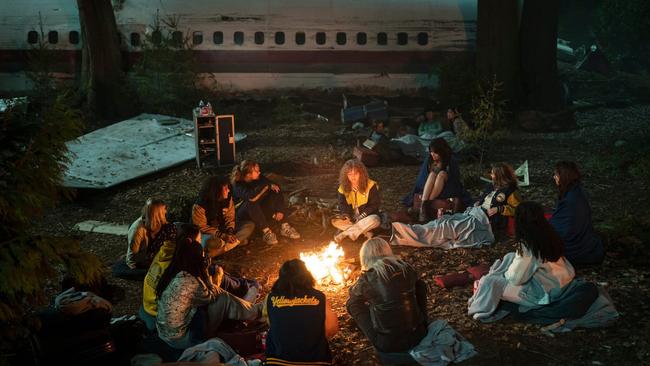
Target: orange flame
{"points": [[324, 265]]}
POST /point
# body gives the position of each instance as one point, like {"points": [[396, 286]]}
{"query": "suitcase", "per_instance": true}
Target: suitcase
{"points": [[352, 114], [367, 156], [377, 110]]}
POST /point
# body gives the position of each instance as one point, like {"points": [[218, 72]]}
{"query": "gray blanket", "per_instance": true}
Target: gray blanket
{"points": [[462, 230], [442, 345], [210, 350], [483, 305]]}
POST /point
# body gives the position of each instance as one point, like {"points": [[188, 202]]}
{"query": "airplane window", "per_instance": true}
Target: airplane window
{"points": [[73, 37], [402, 38], [321, 38], [217, 37], [279, 37], [423, 38], [32, 37], [197, 37], [382, 39], [135, 39], [53, 37], [156, 37], [361, 38], [300, 38], [341, 38], [239, 38], [259, 37], [177, 38]]}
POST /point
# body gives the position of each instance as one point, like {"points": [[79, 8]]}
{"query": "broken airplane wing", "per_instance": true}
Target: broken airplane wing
{"points": [[129, 149]]}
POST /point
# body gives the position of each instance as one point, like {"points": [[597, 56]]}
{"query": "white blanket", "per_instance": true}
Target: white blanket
{"points": [[462, 230]]}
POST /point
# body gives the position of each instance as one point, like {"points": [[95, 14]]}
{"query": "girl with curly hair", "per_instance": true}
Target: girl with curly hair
{"points": [[359, 202]]}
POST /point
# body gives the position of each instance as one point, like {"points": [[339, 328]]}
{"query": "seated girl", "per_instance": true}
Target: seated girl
{"points": [[443, 188], [572, 217], [244, 288], [359, 202], [457, 123], [423, 174], [300, 317], [536, 283], [144, 238], [149, 308], [190, 306], [500, 198], [214, 214], [539, 260], [430, 124], [388, 301], [260, 200]]}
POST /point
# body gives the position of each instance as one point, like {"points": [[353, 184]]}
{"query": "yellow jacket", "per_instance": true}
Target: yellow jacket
{"points": [[361, 203], [160, 263]]}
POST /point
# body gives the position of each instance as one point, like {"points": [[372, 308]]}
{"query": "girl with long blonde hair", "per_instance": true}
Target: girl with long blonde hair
{"points": [[388, 301], [144, 238]]}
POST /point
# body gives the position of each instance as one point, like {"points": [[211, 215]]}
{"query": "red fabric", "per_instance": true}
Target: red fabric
{"points": [[479, 271], [453, 280]]}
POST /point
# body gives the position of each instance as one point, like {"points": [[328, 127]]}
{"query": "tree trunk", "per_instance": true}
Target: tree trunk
{"points": [[538, 35], [497, 46], [101, 73]]}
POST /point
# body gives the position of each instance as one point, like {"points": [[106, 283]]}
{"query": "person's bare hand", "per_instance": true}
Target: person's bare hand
{"points": [[275, 188], [492, 211], [278, 216]]}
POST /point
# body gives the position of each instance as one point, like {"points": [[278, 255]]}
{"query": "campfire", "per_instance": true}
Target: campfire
{"points": [[327, 265]]}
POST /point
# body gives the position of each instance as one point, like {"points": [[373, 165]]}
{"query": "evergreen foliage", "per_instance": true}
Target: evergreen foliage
{"points": [[33, 133], [165, 78]]}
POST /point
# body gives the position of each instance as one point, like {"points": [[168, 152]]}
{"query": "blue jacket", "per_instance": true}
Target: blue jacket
{"points": [[572, 220]]}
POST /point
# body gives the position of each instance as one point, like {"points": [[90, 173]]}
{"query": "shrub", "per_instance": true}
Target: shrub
{"points": [[33, 132], [165, 78]]}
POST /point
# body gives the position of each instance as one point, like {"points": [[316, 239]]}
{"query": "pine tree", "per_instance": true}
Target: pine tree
{"points": [[33, 159]]}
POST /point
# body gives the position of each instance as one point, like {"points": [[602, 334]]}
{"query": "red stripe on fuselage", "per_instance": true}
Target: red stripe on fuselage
{"points": [[324, 61]]}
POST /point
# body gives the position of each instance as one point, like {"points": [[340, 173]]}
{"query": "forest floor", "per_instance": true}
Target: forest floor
{"points": [[609, 144]]}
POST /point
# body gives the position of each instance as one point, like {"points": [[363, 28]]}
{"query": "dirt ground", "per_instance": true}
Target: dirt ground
{"points": [[306, 152]]}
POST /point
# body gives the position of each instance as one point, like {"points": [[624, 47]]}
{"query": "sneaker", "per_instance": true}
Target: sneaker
{"points": [[252, 294], [288, 231], [270, 238]]}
